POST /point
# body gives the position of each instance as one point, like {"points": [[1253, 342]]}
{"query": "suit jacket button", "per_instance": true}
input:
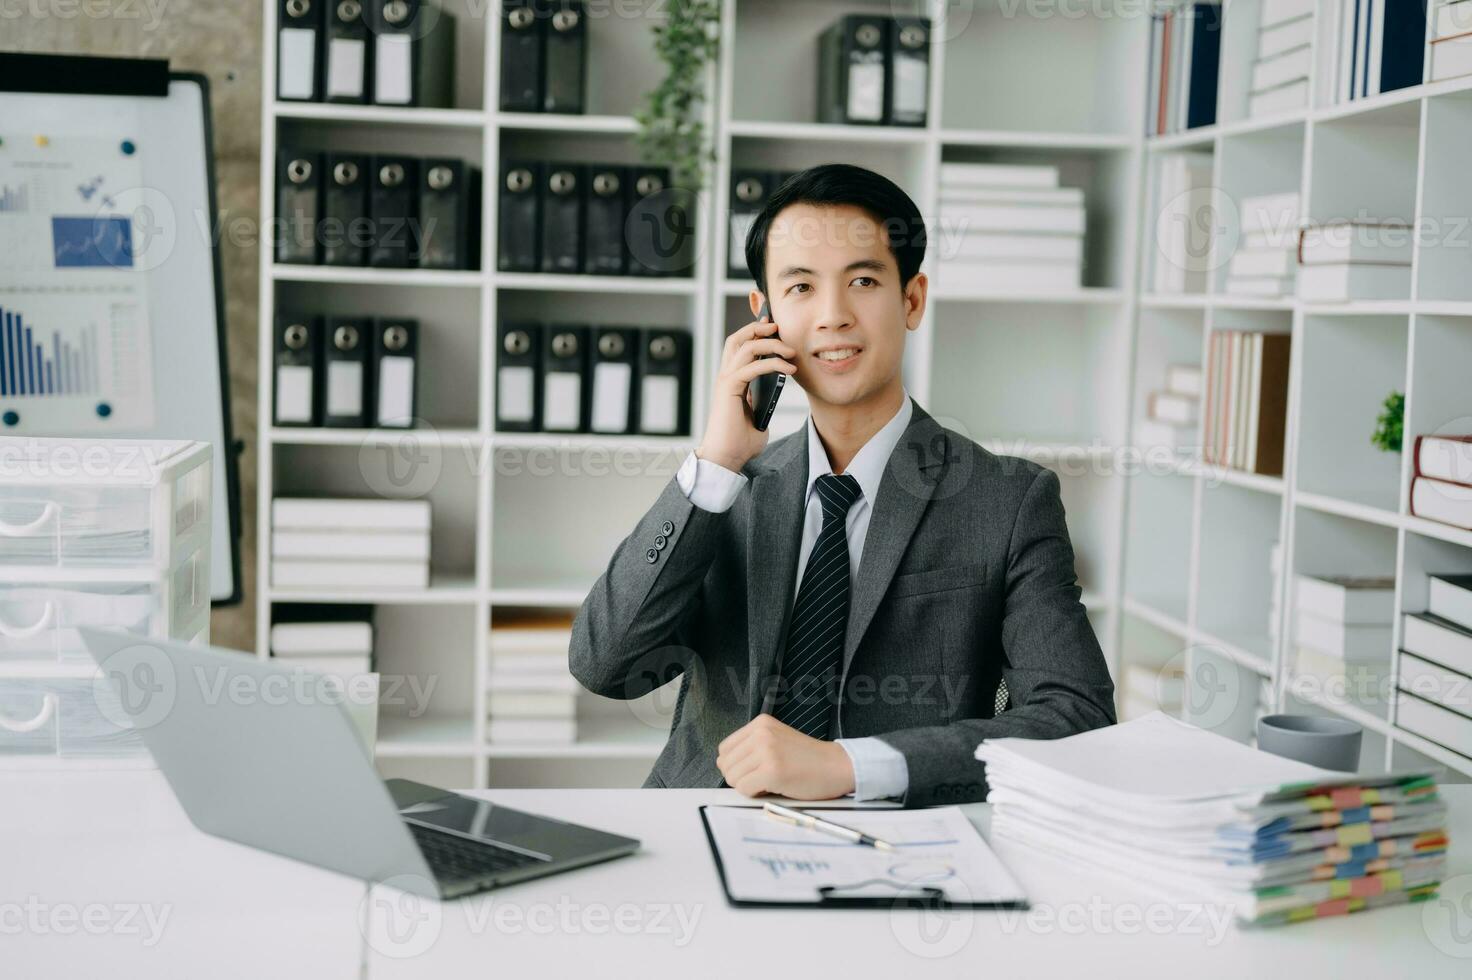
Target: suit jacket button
{"points": [[667, 528], [651, 556], [660, 541]]}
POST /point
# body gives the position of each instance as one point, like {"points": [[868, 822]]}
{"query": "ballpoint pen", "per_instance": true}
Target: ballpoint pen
{"points": [[801, 819]]}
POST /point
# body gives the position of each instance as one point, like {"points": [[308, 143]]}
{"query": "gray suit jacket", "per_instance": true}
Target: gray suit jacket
{"points": [[966, 578]]}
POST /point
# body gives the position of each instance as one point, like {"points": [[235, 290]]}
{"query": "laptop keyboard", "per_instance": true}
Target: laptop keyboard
{"points": [[454, 858]]}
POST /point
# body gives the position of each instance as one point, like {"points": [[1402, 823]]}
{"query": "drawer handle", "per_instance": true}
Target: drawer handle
{"points": [[48, 709], [21, 632], [49, 511]]}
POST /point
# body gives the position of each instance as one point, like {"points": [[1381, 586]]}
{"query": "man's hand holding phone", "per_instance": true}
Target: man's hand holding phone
{"points": [[731, 436]]}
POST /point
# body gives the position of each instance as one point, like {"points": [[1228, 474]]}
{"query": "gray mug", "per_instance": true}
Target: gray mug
{"points": [[1329, 743]]}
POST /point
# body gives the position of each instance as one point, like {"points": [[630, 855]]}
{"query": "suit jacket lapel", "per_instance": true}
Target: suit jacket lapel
{"points": [[774, 539], [915, 467]]}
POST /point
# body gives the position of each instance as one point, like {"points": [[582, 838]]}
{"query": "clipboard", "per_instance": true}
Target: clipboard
{"points": [[857, 891]]}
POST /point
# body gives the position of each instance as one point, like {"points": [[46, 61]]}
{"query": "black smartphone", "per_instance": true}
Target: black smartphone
{"points": [[765, 388]]}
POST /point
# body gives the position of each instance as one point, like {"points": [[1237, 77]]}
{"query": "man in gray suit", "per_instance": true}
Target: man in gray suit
{"points": [[852, 607]]}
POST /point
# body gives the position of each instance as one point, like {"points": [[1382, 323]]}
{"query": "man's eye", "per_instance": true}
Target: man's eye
{"points": [[866, 280], [801, 285]]}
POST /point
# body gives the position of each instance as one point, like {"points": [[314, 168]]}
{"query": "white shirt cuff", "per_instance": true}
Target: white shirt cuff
{"points": [[709, 486], [880, 770]]}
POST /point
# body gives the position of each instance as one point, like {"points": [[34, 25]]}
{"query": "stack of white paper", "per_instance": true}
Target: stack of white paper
{"points": [[531, 696], [1202, 818], [1267, 253], [338, 642], [347, 543], [1009, 228], [1183, 207]]}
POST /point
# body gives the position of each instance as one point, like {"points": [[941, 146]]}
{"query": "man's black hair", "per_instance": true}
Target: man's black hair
{"points": [[833, 184]]}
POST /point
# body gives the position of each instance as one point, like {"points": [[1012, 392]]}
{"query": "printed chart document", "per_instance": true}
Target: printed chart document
{"points": [[938, 855]]}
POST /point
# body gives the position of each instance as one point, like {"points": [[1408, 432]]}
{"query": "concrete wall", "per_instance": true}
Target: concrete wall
{"points": [[222, 39]]}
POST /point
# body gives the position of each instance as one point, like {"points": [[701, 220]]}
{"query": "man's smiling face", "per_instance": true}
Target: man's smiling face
{"points": [[836, 297]]}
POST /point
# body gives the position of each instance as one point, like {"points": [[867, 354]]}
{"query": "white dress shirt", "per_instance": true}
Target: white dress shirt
{"points": [[879, 768]]}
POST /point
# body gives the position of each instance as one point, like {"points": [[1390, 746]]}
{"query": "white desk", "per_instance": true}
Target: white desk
{"points": [[236, 912]]}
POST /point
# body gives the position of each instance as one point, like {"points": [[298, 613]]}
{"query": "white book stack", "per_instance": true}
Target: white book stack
{"points": [[1009, 228], [1451, 39], [337, 641], [1342, 633], [1435, 676], [1341, 261], [531, 696], [101, 534], [1267, 252], [348, 543], [1172, 415], [1285, 52], [1184, 195]]}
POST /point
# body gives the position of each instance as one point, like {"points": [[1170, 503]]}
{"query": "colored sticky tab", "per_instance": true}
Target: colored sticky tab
{"points": [[43, 141], [1383, 812], [1346, 797], [1340, 889], [1365, 887], [1350, 869], [1320, 802], [1359, 814], [1364, 852], [1358, 833], [1393, 881], [1337, 907]]}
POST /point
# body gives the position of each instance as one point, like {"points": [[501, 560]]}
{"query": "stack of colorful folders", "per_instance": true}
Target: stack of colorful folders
{"points": [[1198, 817]]}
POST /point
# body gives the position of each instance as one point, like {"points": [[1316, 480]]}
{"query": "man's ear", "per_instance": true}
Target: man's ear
{"points": [[756, 299], [916, 293]]}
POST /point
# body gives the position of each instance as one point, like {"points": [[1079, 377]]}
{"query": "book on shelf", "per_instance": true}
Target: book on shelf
{"points": [[1448, 688], [1358, 643], [1247, 401], [531, 704], [1449, 597], [347, 543], [1064, 220], [1270, 220], [1451, 57], [294, 573], [1380, 47], [1446, 458], [1438, 500], [344, 666], [521, 681], [1183, 194], [1285, 35], [1185, 59], [1010, 277], [1278, 99], [1451, 18], [306, 630], [1276, 263], [1361, 242], [1438, 640], [1434, 723], [528, 632], [1058, 197], [1349, 282], [1271, 70], [1346, 598], [1011, 245], [316, 513], [532, 731], [1172, 409], [1184, 380]]}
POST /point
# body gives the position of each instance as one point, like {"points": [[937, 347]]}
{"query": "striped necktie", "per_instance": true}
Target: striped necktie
{"points": [[819, 617]]}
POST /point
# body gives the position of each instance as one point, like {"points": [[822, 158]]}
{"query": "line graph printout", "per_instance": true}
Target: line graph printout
{"points": [[76, 349], [769, 861]]}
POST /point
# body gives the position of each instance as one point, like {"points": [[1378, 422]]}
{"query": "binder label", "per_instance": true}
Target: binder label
{"points": [[659, 404], [344, 388], [563, 406], [395, 390], [611, 389], [294, 394], [298, 53], [345, 67], [866, 90], [514, 394], [910, 78], [393, 75]]}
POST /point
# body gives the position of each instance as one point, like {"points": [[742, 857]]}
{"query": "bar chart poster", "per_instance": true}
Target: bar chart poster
{"points": [[74, 361], [75, 339]]}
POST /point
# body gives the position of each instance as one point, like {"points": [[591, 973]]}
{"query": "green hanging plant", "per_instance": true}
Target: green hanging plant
{"points": [[671, 131], [1390, 426]]}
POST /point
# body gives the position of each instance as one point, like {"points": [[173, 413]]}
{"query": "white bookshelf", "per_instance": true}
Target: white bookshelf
{"points": [[1195, 558], [529, 520]]}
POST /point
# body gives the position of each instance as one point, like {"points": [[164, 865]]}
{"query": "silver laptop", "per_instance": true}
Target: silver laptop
{"points": [[252, 761]]}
